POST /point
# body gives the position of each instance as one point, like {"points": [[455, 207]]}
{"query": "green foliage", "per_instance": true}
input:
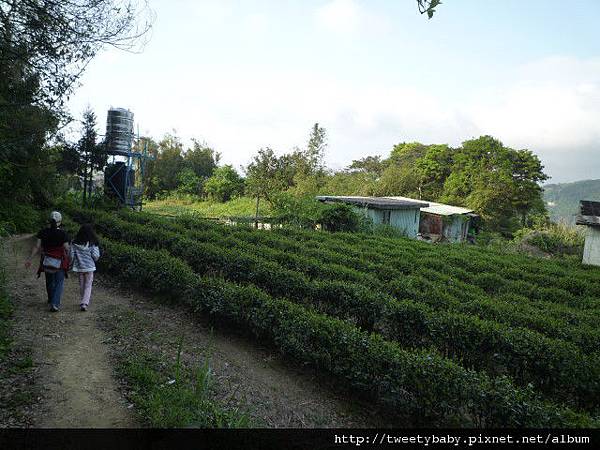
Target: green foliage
{"points": [[176, 397], [186, 204], [302, 170], [92, 156], [428, 6], [267, 175], [165, 169], [368, 164], [27, 169], [201, 159], [304, 212], [224, 184], [342, 217], [189, 182], [553, 238], [420, 386], [351, 183], [500, 183], [17, 217]]}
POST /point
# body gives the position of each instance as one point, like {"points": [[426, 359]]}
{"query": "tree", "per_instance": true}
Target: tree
{"points": [[500, 183], [164, 171], [57, 39], [428, 6], [369, 164], [315, 150], [433, 168], [92, 155], [188, 182], [23, 132], [202, 159], [44, 47], [224, 184], [265, 175], [400, 177]]}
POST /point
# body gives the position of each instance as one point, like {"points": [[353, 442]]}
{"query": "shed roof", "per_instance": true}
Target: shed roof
{"points": [[439, 209], [589, 208], [590, 221], [375, 202], [589, 213]]}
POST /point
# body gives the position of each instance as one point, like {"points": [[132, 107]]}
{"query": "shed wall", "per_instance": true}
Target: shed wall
{"points": [[374, 214], [406, 220], [456, 231], [591, 249]]}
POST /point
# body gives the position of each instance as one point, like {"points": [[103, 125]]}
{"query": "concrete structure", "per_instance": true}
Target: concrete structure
{"points": [[401, 214], [590, 217], [441, 222]]}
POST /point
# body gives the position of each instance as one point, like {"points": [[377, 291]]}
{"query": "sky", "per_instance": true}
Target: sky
{"points": [[241, 75]]}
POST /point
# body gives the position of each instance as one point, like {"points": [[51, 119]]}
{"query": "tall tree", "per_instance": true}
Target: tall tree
{"points": [[315, 149], [202, 159], [168, 165], [45, 46], [502, 184], [369, 164], [224, 184], [57, 39], [265, 177], [92, 154]]}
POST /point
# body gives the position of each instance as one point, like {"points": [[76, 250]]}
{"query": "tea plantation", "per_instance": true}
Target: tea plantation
{"points": [[444, 335]]}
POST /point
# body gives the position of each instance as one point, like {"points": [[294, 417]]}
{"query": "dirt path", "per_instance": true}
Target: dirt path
{"points": [[73, 350], [74, 372]]}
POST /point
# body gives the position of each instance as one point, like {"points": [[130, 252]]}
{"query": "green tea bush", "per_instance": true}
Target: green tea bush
{"points": [[419, 386], [482, 344]]}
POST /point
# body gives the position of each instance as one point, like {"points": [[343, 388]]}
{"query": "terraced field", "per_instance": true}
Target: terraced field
{"points": [[437, 335]]}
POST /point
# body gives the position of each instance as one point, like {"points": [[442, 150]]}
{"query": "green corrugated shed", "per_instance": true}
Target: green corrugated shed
{"points": [[401, 214]]}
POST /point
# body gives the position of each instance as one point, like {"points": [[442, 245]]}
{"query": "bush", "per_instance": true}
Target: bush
{"points": [[421, 385], [526, 355], [303, 212], [19, 218], [553, 238], [224, 184], [342, 217]]}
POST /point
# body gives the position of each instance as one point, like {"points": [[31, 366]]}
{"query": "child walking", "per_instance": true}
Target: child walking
{"points": [[85, 252]]}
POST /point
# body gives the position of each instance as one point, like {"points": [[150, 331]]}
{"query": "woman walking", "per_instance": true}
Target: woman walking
{"points": [[53, 245], [84, 254]]}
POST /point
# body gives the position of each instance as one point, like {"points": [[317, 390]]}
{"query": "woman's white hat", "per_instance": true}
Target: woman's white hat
{"points": [[56, 216]]}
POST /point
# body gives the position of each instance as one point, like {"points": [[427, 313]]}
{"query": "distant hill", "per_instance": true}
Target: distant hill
{"points": [[562, 199]]}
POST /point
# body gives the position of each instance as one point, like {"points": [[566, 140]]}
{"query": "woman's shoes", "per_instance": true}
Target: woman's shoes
{"points": [[83, 307]]}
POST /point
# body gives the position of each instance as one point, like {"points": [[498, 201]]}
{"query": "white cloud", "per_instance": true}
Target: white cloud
{"points": [[544, 106], [255, 23], [348, 16], [339, 15], [554, 102]]}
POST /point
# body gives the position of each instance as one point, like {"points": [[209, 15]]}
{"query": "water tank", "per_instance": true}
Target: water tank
{"points": [[117, 178], [119, 131]]}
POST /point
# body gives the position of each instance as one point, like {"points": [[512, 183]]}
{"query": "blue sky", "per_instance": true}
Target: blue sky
{"points": [[242, 75]]}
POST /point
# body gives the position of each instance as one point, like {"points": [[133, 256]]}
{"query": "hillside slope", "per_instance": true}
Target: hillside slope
{"points": [[562, 200]]}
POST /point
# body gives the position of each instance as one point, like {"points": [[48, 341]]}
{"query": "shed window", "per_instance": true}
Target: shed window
{"points": [[386, 216]]}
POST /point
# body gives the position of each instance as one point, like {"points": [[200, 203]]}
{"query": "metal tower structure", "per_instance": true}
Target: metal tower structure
{"points": [[124, 176]]}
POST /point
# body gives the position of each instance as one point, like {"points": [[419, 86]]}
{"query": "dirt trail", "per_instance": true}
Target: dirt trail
{"points": [[74, 369], [71, 350]]}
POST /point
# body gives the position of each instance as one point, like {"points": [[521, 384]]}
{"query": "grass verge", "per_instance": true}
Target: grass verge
{"points": [[237, 207], [17, 392], [166, 391]]}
